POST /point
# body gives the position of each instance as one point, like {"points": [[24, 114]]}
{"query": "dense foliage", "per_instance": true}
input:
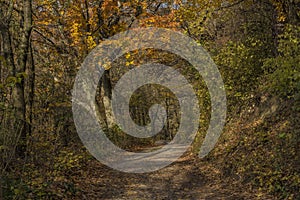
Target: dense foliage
{"points": [[256, 45]]}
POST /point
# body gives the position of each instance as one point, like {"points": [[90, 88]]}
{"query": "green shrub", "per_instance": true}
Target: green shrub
{"points": [[283, 71]]}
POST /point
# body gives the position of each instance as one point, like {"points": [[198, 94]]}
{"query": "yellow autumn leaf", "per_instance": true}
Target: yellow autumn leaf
{"points": [[127, 56]]}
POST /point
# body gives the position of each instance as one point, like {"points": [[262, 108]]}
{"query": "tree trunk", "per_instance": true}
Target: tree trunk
{"points": [[30, 88], [107, 90], [22, 59]]}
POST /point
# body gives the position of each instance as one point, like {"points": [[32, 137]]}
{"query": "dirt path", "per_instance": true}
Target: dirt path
{"points": [[188, 178]]}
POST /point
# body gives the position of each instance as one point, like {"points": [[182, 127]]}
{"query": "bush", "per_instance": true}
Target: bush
{"points": [[283, 71]]}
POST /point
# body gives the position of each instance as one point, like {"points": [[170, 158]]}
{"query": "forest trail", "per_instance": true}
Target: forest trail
{"points": [[187, 178]]}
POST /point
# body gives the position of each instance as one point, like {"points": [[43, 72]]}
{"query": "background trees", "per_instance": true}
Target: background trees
{"points": [[42, 44]]}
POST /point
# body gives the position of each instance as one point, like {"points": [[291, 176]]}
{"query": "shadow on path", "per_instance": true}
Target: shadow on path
{"points": [[187, 178]]}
